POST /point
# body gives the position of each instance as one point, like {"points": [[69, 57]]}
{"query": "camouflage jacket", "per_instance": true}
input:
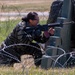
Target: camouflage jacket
{"points": [[21, 35]]}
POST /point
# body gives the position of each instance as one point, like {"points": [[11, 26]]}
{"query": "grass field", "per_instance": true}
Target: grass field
{"points": [[25, 5], [36, 71]]}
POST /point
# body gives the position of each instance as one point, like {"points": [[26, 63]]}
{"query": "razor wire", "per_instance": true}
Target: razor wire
{"points": [[70, 56], [7, 54], [12, 56], [57, 55], [25, 69], [9, 14]]}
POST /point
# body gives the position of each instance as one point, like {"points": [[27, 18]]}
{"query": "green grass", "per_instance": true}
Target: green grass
{"points": [[36, 71], [6, 27]]}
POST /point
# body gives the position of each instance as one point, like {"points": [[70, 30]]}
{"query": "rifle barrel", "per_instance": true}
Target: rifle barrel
{"points": [[54, 25], [60, 24]]}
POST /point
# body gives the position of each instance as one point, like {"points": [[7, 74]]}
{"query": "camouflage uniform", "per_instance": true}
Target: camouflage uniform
{"points": [[19, 35]]}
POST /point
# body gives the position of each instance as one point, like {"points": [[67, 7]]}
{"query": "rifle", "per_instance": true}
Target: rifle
{"points": [[46, 26]]}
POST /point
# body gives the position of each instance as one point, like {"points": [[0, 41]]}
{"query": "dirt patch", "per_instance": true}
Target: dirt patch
{"points": [[25, 5], [12, 2], [27, 61]]}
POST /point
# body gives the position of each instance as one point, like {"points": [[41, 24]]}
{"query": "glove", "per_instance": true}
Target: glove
{"points": [[46, 34]]}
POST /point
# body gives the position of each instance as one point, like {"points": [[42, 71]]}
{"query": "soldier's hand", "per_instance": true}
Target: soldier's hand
{"points": [[51, 31]]}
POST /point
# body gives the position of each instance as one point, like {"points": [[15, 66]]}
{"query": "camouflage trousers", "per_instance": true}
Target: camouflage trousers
{"points": [[18, 51]]}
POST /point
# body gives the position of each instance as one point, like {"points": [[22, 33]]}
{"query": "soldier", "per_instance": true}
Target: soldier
{"points": [[20, 35]]}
